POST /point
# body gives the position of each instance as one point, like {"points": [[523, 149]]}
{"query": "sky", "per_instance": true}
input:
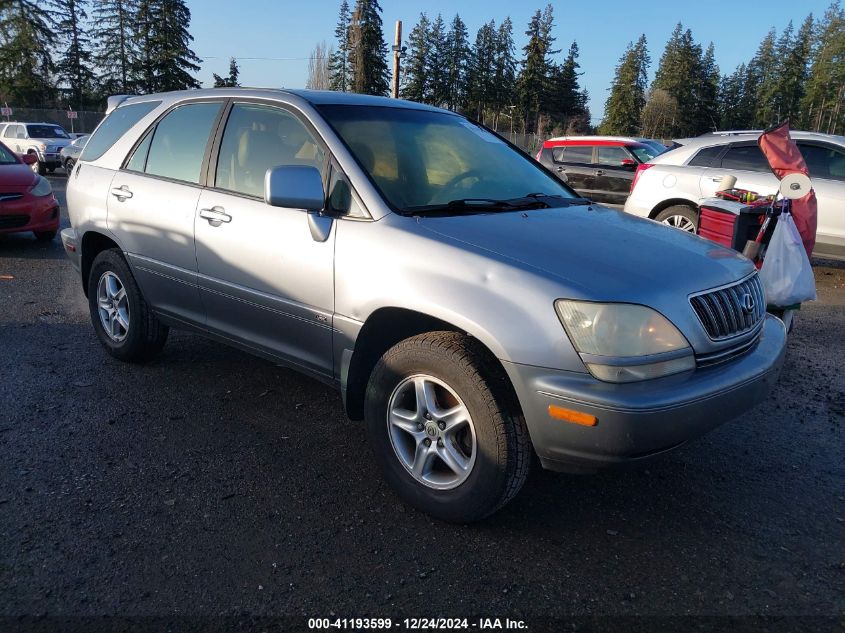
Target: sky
{"points": [[272, 39]]}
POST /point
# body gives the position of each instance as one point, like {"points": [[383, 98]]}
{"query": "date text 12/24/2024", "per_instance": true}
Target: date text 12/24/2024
{"points": [[417, 624]]}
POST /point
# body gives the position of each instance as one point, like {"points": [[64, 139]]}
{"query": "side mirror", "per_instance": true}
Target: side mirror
{"points": [[628, 163], [29, 159], [294, 187]]}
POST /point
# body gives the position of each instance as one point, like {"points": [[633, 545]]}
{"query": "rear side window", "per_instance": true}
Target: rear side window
{"points": [[707, 157], [746, 158], [179, 141], [573, 154], [115, 126]]}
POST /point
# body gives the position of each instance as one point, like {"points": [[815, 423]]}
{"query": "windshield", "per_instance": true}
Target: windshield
{"points": [[422, 159], [6, 156], [46, 131], [644, 153]]}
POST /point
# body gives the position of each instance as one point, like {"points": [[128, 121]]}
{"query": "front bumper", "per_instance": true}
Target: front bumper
{"points": [[638, 420], [30, 214], [71, 244], [50, 159]]}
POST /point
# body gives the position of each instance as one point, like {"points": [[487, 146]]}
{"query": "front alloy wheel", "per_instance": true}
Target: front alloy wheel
{"points": [[431, 432], [113, 306]]}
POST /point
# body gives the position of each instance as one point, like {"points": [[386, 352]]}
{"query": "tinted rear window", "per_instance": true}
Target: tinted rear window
{"points": [[179, 142], [707, 157], [746, 158], [573, 154], [115, 126]]}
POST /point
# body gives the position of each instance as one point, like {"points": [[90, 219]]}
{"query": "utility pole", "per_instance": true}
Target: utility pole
{"points": [[398, 50]]}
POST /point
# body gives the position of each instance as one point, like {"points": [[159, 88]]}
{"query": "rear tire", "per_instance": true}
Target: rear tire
{"points": [[122, 319], [680, 217], [485, 437]]}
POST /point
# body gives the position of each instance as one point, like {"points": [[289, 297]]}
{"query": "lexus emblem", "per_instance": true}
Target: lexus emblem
{"points": [[747, 303]]}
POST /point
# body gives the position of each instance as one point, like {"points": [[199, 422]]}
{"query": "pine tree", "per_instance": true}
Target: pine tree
{"points": [[166, 58], [74, 66], [482, 88], [533, 81], [26, 67], [457, 63], [679, 74], [415, 85], [438, 69], [825, 87], [565, 99], [763, 75], [707, 92], [733, 104], [793, 71], [504, 75], [231, 81], [623, 108], [117, 50], [340, 77], [368, 50]]}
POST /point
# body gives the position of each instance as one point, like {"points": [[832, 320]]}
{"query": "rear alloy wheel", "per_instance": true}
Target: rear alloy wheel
{"points": [[123, 320], [679, 217], [446, 428]]}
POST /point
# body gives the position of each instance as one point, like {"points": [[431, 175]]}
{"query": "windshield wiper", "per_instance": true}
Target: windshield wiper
{"points": [[479, 205]]}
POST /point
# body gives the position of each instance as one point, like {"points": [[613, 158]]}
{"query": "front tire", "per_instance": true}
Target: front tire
{"points": [[679, 216], [445, 427], [123, 320]]}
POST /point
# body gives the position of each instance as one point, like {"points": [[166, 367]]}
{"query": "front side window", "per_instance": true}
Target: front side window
{"points": [[46, 131], [179, 140], [611, 156], [115, 125], [645, 153], [745, 158], [258, 137], [823, 162], [11, 131], [6, 156]]}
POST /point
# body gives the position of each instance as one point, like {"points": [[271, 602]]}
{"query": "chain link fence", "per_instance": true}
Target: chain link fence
{"points": [[85, 121]]}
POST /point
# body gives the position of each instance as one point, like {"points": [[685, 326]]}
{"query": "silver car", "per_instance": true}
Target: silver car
{"points": [[42, 140], [471, 309]]}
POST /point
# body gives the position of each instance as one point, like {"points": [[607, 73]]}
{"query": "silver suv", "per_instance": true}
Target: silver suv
{"points": [[43, 140], [470, 308]]}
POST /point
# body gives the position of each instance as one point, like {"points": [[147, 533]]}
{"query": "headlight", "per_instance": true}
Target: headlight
{"points": [[622, 342], [42, 187]]}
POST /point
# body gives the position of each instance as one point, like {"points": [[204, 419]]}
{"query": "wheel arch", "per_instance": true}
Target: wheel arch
{"points": [[93, 243], [671, 202], [383, 329]]}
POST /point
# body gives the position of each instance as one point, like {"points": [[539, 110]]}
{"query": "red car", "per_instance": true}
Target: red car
{"points": [[27, 202]]}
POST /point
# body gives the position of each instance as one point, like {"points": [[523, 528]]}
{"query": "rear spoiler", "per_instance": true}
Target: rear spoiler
{"points": [[114, 101]]}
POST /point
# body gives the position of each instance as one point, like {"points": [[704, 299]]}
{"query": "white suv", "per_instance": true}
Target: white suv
{"points": [[669, 187]]}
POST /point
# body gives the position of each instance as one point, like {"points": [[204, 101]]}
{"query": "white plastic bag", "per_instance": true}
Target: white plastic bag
{"points": [[786, 273]]}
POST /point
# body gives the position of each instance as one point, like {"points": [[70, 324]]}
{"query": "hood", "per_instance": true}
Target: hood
{"points": [[17, 177], [56, 142], [600, 253]]}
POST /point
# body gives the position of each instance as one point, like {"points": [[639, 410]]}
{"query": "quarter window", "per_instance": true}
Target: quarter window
{"points": [[259, 137], [116, 125], [179, 142], [745, 158]]}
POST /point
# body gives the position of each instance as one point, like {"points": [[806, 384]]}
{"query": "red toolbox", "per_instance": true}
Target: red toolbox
{"points": [[730, 223]]}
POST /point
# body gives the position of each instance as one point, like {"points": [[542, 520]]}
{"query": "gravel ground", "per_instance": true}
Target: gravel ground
{"points": [[213, 483]]}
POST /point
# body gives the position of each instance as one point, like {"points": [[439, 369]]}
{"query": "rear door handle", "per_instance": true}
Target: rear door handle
{"points": [[562, 169], [599, 172], [215, 215], [121, 193], [716, 178]]}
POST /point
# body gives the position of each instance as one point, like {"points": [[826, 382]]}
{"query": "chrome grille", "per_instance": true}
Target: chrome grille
{"points": [[731, 310]]}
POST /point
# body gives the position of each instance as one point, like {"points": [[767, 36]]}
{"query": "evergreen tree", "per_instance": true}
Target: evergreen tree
{"points": [[679, 74], [438, 70], [117, 50], [825, 86], [26, 66], [735, 111], [457, 63], [482, 88], [368, 50], [707, 93], [74, 65], [166, 58], [624, 107], [340, 77], [504, 75], [794, 64], [565, 99], [232, 80], [763, 81], [533, 81], [415, 85]]}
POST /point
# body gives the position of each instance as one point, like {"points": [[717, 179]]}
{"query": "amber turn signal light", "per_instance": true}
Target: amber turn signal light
{"points": [[568, 415]]}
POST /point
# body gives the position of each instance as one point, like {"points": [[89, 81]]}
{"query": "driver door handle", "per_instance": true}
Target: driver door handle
{"points": [[215, 215], [599, 172], [121, 193]]}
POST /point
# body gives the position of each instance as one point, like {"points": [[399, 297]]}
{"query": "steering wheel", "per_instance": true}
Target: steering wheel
{"points": [[454, 182]]}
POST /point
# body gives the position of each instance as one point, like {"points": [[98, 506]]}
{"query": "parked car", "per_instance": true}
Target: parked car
{"points": [[27, 202], [668, 187], [598, 167], [42, 140], [70, 153], [469, 306]]}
